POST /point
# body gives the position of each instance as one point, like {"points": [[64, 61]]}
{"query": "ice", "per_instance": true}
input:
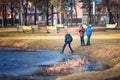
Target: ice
{"points": [[17, 62]]}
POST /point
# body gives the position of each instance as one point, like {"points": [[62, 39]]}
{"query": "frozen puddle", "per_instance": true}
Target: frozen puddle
{"points": [[18, 62]]}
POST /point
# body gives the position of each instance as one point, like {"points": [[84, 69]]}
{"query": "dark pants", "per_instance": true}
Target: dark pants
{"points": [[82, 41], [88, 40], [68, 46]]}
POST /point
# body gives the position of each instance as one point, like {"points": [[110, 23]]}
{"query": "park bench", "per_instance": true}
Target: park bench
{"points": [[52, 28], [27, 28], [36, 27], [111, 26]]}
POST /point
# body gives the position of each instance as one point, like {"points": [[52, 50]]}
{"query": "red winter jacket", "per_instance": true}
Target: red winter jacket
{"points": [[81, 31]]}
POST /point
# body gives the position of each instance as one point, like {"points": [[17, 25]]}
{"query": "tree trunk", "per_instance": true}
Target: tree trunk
{"points": [[75, 13], [47, 14], [26, 13], [58, 21], [52, 14], [2, 16], [12, 17], [118, 20], [60, 17], [110, 16], [35, 14], [89, 12], [71, 4], [20, 13]]}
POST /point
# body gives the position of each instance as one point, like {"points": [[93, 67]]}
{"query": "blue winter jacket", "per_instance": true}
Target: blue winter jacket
{"points": [[89, 31], [68, 38]]}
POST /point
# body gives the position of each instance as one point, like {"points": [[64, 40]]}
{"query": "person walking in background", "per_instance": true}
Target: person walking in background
{"points": [[81, 32], [88, 33], [68, 40]]}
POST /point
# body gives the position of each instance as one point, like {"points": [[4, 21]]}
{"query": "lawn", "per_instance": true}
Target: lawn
{"points": [[105, 46]]}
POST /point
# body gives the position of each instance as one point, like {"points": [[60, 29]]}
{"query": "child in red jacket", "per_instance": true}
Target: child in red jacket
{"points": [[82, 32]]}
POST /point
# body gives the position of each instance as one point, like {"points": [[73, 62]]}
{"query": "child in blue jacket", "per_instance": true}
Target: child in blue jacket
{"points": [[88, 34]]}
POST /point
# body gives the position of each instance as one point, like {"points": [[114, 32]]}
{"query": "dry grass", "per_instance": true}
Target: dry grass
{"points": [[105, 47]]}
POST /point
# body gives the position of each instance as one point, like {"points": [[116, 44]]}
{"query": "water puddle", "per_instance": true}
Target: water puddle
{"points": [[17, 62]]}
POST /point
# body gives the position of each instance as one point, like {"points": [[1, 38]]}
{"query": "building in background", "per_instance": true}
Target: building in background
{"points": [[81, 15]]}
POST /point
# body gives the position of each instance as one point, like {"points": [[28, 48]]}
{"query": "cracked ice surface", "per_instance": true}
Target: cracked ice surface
{"points": [[16, 62]]}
